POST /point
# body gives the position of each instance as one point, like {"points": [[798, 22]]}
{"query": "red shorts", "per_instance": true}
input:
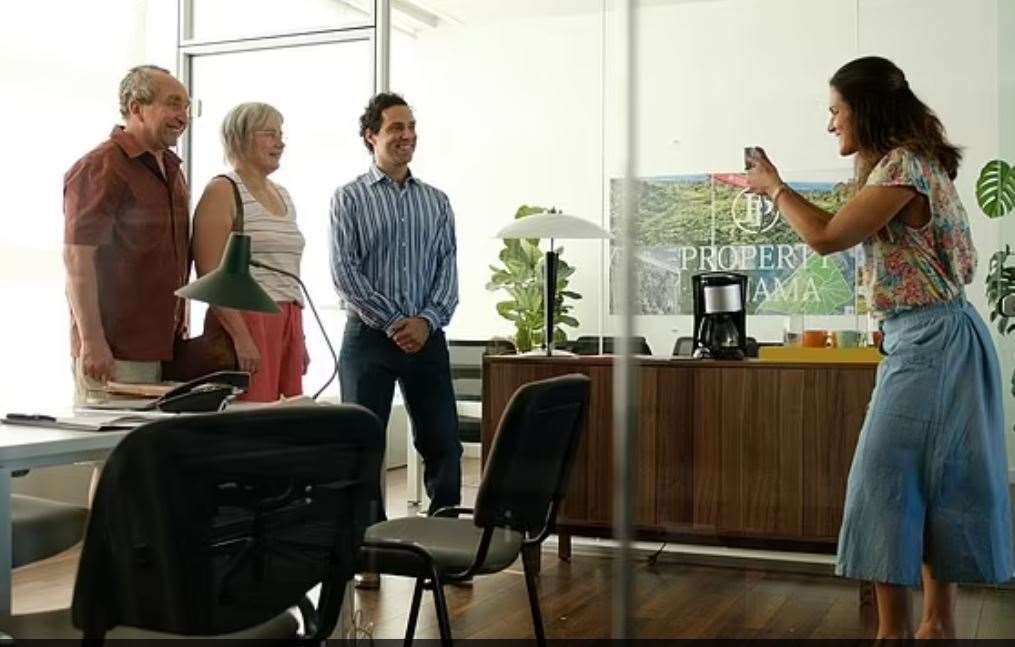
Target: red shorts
{"points": [[279, 339]]}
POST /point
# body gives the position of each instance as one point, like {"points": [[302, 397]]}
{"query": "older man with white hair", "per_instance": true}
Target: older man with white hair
{"points": [[126, 238]]}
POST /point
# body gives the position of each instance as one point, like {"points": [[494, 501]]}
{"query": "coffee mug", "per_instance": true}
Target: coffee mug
{"points": [[847, 338], [815, 339]]}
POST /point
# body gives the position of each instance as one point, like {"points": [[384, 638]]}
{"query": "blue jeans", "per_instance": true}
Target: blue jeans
{"points": [[369, 365]]}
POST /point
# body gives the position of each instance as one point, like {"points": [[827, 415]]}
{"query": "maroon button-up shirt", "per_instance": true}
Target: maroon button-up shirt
{"points": [[115, 198]]}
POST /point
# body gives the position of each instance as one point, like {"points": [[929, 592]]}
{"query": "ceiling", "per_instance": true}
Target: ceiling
{"points": [[466, 11]]}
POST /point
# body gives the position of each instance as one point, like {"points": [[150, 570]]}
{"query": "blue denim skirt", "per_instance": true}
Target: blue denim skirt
{"points": [[929, 480]]}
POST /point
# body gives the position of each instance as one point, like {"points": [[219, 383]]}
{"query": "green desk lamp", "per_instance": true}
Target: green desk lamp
{"points": [[230, 285]]}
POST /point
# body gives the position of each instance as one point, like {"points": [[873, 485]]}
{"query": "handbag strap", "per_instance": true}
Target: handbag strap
{"points": [[238, 222]]}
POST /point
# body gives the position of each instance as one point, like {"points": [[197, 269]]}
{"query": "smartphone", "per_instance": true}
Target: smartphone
{"points": [[751, 153]]}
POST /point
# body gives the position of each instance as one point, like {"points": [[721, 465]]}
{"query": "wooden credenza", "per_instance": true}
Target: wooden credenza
{"points": [[738, 453]]}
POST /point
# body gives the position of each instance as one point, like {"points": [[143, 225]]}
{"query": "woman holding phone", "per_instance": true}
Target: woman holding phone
{"points": [[927, 498]]}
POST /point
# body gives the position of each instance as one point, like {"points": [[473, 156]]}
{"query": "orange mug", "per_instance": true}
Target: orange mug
{"points": [[815, 339], [878, 337]]}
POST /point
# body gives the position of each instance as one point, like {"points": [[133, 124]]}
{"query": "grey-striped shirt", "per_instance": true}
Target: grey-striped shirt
{"points": [[393, 250], [275, 241]]}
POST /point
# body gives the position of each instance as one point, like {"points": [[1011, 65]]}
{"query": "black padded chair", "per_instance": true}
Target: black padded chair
{"points": [[467, 378], [589, 345], [683, 347], [523, 484], [217, 525]]}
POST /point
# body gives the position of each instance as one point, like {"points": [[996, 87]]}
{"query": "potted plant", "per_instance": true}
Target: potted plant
{"points": [[521, 275], [995, 193]]}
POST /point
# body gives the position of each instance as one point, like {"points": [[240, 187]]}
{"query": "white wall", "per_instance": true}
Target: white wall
{"points": [[61, 62], [509, 113]]}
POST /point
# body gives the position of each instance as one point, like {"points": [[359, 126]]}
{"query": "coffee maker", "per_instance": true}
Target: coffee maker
{"points": [[720, 316]]}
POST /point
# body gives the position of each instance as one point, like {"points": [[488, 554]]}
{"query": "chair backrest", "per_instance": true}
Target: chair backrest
{"points": [[530, 460], [466, 357], [209, 524], [467, 368], [589, 345], [684, 347]]}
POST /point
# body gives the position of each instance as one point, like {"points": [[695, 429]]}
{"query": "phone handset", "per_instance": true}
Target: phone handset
{"points": [[207, 393]]}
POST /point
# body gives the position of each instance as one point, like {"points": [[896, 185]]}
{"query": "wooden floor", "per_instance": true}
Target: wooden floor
{"points": [[672, 600]]}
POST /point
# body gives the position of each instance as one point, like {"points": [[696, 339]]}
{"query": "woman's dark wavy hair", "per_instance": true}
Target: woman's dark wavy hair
{"points": [[887, 115]]}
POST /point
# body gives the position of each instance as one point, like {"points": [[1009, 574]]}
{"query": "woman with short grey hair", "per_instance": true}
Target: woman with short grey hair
{"points": [[270, 346]]}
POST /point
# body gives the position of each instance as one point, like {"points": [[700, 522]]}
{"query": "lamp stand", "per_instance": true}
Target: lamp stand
{"points": [[334, 357], [550, 296]]}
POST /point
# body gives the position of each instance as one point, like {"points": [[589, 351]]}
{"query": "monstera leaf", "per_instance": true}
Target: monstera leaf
{"points": [[995, 190]]}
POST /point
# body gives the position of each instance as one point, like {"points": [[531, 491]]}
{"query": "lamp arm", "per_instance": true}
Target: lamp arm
{"points": [[310, 301]]}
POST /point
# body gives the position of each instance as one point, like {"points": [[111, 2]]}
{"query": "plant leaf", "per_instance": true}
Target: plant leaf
{"points": [[508, 310], [995, 189]]}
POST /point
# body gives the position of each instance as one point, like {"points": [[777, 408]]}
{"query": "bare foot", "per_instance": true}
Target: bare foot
{"points": [[934, 630]]}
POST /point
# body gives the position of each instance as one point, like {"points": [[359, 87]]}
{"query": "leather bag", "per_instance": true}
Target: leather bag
{"points": [[212, 350]]}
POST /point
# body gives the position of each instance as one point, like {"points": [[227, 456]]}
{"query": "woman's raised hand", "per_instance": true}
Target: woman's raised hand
{"points": [[762, 176]]}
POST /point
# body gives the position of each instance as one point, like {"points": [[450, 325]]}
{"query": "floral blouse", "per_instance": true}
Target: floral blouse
{"points": [[908, 267]]}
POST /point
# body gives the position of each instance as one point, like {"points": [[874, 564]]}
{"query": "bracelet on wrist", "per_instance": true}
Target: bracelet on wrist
{"points": [[778, 191]]}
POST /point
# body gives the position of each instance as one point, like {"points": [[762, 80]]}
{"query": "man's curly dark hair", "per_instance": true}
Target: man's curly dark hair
{"points": [[373, 115]]}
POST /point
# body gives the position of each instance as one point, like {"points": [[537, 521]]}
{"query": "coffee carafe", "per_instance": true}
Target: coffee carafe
{"points": [[720, 317]]}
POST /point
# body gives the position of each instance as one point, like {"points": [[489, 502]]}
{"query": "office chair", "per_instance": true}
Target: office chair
{"points": [[41, 528], [524, 482], [589, 345], [683, 347], [467, 379], [218, 524]]}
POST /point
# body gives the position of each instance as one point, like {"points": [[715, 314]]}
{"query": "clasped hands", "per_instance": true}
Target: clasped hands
{"points": [[411, 334]]}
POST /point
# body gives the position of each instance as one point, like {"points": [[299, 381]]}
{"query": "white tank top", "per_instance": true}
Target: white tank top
{"points": [[274, 241]]}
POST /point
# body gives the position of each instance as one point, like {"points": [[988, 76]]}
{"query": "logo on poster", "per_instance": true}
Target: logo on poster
{"points": [[753, 213]]}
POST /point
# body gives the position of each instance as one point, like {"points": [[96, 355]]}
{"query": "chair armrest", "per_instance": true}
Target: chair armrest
{"points": [[452, 511]]}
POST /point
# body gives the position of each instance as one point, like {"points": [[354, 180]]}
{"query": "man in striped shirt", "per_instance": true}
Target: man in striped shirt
{"points": [[393, 263]]}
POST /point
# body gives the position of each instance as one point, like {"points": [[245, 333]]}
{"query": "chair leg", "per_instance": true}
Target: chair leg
{"points": [[530, 585], [441, 604], [564, 545], [417, 598]]}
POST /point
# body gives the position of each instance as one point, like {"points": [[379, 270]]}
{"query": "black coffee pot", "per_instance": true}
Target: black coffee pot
{"points": [[720, 315]]}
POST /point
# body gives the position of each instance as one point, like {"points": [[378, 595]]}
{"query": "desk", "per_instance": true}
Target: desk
{"points": [[752, 453], [31, 447]]}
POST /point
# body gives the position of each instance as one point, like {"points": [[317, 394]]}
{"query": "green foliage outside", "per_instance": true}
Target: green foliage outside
{"points": [[522, 275]]}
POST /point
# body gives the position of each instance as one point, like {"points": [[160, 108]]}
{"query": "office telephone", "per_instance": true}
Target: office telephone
{"points": [[207, 393]]}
